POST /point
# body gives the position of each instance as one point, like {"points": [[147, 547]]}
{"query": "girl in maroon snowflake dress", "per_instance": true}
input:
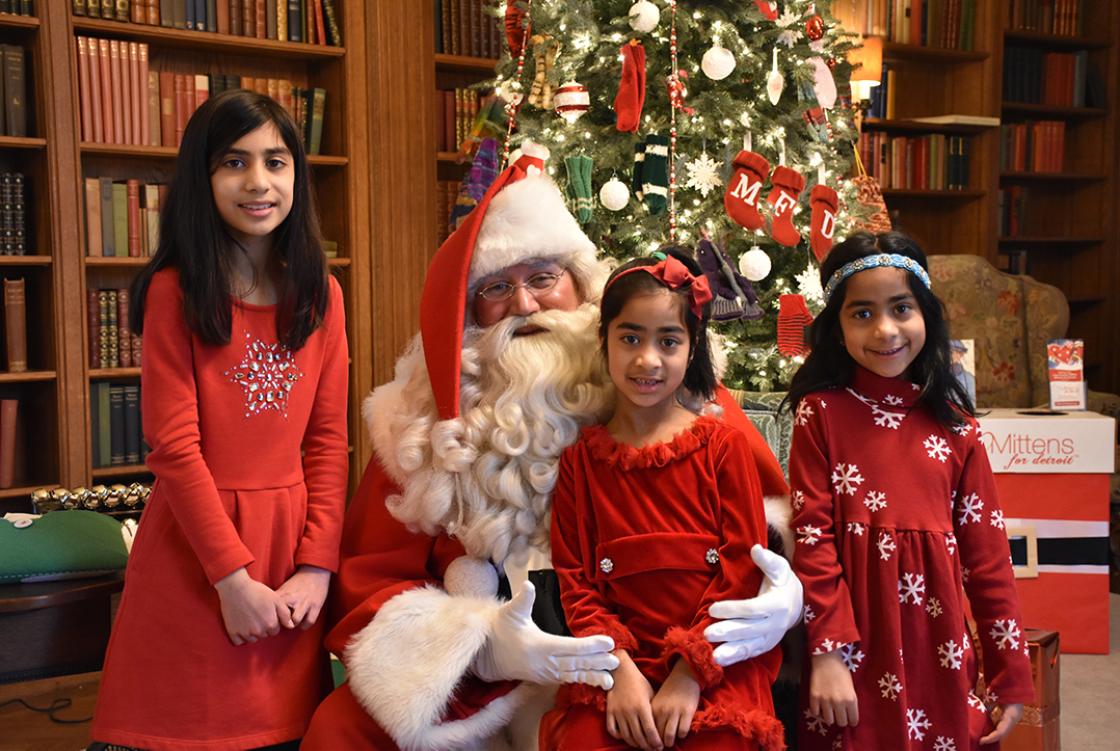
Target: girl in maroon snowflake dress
{"points": [[896, 518], [654, 517], [217, 642]]}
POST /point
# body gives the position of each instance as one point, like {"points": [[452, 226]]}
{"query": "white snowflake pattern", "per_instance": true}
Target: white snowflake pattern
{"points": [[963, 429], [889, 686], [852, 657], [875, 500], [975, 703], [1006, 633], [703, 174], [797, 500], [937, 448], [894, 401], [965, 571], [789, 34], [933, 607], [950, 654], [809, 285], [865, 400], [837, 743], [808, 613], [967, 641], [970, 509], [916, 724], [826, 646], [885, 419], [823, 403], [886, 546], [997, 519], [804, 412], [951, 543], [911, 588], [846, 478], [944, 744], [808, 534], [815, 724], [856, 528]]}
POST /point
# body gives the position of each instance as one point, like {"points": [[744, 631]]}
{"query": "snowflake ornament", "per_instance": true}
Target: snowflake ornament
{"points": [[787, 22], [892, 400], [997, 519], [937, 448], [804, 412], [846, 478], [703, 174], [975, 703], [808, 613], [889, 686], [826, 646], [950, 655], [815, 724], [911, 588], [266, 374], [809, 285], [1006, 633], [856, 529], [963, 429], [797, 498], [951, 543], [875, 500], [916, 724]]}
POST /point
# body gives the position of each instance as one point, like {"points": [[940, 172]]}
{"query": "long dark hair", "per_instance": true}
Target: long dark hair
{"points": [[194, 239], [699, 376], [829, 365]]}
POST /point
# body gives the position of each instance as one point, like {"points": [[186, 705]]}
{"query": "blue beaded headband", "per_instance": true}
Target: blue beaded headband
{"points": [[874, 262]]}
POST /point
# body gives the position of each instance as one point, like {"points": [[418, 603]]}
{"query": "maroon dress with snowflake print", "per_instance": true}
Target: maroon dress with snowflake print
{"points": [[896, 518]]}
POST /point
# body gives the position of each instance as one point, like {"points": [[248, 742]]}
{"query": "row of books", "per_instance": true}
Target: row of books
{"points": [[1061, 17], [115, 425], [930, 23], [111, 343], [15, 325], [1032, 146], [447, 192], [312, 21], [456, 111], [17, 7], [13, 96], [465, 27], [1036, 77], [122, 218], [9, 415], [13, 214], [882, 103], [124, 102], [931, 162]]}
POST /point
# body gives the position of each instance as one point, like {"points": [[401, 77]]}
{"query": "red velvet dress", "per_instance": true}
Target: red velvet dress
{"points": [[643, 541], [226, 425], [896, 517]]}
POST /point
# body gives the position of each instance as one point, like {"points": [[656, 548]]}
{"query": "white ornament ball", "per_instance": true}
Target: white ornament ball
{"points": [[644, 16], [755, 264], [614, 194], [571, 100], [471, 577], [717, 63]]}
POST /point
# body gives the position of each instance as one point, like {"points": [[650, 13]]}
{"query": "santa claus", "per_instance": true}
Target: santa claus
{"points": [[467, 437]]}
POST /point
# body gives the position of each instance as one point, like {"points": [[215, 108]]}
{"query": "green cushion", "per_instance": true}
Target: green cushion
{"points": [[60, 545]]}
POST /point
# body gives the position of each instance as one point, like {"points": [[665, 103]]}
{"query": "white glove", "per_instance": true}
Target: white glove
{"points": [[518, 650], [755, 626]]}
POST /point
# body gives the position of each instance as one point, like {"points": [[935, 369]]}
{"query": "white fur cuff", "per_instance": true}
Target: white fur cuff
{"points": [[405, 665]]}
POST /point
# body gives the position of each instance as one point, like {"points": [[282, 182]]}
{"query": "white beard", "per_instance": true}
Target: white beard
{"points": [[487, 476]]}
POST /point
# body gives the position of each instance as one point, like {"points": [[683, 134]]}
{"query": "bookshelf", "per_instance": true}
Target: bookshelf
{"points": [[55, 393], [1068, 235]]}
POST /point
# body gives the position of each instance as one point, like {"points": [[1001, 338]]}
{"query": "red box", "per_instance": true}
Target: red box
{"points": [[1040, 729]]}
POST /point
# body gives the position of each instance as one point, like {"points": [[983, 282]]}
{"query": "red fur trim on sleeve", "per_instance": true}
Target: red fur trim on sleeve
{"points": [[753, 724], [623, 639], [697, 650]]}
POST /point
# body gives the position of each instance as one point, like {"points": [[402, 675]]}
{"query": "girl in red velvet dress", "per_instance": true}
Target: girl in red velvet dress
{"points": [[216, 644], [895, 513], [654, 517]]}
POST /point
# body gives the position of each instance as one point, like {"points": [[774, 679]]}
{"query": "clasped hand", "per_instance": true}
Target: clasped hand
{"points": [[652, 721], [517, 649], [252, 610]]}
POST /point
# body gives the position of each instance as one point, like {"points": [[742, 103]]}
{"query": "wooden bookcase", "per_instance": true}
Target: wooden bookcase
{"points": [[1070, 234], [54, 394]]}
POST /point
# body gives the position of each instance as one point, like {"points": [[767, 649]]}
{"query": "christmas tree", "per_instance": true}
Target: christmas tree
{"points": [[731, 147]]}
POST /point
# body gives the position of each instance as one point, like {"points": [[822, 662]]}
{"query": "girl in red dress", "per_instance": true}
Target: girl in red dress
{"points": [[896, 517], [654, 517], [216, 644]]}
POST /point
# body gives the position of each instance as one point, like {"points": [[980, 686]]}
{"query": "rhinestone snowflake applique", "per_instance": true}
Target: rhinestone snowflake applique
{"points": [[266, 374]]}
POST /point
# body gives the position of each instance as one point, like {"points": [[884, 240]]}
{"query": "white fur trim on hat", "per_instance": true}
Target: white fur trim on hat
{"points": [[530, 220]]}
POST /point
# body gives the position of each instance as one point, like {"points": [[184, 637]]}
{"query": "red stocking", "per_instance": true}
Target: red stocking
{"points": [[822, 200], [768, 9], [516, 29], [632, 89], [741, 198], [793, 318], [787, 187]]}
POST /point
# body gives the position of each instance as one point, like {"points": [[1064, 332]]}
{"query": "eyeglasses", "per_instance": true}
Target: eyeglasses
{"points": [[537, 285]]}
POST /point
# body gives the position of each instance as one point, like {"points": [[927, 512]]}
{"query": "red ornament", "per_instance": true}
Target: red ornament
{"points": [[814, 28], [831, 63]]}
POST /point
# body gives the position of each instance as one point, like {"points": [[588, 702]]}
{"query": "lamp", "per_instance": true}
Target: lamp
{"points": [[867, 67]]}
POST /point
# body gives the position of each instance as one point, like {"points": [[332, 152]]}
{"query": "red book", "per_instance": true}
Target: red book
{"points": [[201, 90], [248, 18], [320, 31], [260, 26], [183, 107], [117, 108], [105, 67], [123, 100], [93, 93], [223, 17], [93, 325], [124, 334], [153, 12], [136, 99], [84, 89], [137, 11], [167, 108], [133, 189], [8, 413], [142, 95]]}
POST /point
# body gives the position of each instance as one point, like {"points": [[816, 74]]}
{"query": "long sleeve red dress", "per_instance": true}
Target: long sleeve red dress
{"points": [[643, 541], [896, 518], [226, 424]]}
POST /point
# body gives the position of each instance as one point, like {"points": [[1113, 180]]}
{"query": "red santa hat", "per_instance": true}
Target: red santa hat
{"points": [[522, 218]]}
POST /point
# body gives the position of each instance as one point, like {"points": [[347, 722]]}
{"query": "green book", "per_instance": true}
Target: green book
{"points": [[116, 425], [120, 219], [94, 426], [318, 107], [108, 246], [104, 427]]}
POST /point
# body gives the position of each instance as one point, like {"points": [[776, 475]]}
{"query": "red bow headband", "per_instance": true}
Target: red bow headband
{"points": [[675, 275]]}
